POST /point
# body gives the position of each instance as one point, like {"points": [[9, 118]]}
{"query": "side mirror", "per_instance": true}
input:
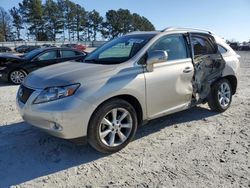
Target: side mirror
{"points": [[157, 56]]}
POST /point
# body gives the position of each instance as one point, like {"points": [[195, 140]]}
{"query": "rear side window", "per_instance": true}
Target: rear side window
{"points": [[202, 46], [68, 53], [173, 44], [221, 49]]}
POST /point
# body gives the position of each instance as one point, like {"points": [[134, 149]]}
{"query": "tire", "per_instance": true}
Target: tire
{"points": [[17, 76], [220, 97], [107, 135]]}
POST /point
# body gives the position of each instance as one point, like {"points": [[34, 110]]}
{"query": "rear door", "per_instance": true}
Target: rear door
{"points": [[169, 85], [208, 63]]}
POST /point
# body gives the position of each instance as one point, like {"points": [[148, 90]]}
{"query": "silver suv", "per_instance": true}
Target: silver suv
{"points": [[129, 80]]}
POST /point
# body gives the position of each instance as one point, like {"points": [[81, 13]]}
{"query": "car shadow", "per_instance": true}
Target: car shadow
{"points": [[4, 84], [27, 153]]}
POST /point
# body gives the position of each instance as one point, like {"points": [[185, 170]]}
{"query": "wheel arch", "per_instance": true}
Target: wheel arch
{"points": [[15, 69], [128, 98], [233, 81]]}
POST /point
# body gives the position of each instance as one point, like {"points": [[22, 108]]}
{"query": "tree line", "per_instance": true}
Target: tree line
{"points": [[46, 21]]}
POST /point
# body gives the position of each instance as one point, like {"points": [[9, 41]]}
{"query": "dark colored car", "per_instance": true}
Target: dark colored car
{"points": [[245, 47], [47, 45], [234, 45], [79, 47], [4, 49], [25, 48], [15, 69]]}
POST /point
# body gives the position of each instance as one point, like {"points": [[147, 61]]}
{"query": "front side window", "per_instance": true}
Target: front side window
{"points": [[173, 44], [119, 50], [48, 56], [202, 46]]}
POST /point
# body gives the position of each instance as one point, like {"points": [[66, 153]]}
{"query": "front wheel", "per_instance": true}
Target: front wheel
{"points": [[17, 76], [221, 96], [112, 126]]}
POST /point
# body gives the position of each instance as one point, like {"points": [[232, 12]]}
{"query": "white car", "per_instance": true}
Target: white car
{"points": [[128, 81]]}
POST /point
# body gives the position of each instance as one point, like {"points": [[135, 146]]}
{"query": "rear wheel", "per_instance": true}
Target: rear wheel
{"points": [[17, 76], [112, 126], [221, 96]]}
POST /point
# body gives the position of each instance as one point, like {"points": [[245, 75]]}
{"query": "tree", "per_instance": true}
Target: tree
{"points": [[140, 23], [122, 21], [80, 20], [52, 16], [32, 12], [17, 21], [5, 27], [94, 23]]}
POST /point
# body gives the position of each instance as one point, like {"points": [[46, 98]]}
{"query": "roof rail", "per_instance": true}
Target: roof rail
{"points": [[184, 29]]}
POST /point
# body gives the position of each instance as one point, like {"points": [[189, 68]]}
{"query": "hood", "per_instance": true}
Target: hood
{"points": [[9, 56], [67, 73], [6, 59]]}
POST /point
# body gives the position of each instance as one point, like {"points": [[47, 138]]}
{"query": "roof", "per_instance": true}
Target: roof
{"points": [[172, 29]]}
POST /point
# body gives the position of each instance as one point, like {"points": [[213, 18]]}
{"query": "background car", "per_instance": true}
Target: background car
{"points": [[47, 45], [15, 68], [79, 47], [25, 48], [5, 49]]}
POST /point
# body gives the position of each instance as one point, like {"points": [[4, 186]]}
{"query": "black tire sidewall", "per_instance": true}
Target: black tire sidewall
{"points": [[95, 122]]}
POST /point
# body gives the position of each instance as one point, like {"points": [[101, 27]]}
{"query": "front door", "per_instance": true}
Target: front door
{"points": [[169, 85], [45, 59]]}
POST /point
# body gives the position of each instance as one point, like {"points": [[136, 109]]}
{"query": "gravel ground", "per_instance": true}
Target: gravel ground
{"points": [[193, 148]]}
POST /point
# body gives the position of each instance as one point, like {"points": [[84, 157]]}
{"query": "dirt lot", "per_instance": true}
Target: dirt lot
{"points": [[194, 148]]}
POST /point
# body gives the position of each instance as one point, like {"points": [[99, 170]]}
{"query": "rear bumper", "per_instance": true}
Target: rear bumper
{"points": [[64, 118]]}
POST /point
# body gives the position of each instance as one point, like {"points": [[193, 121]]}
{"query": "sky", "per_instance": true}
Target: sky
{"points": [[229, 19]]}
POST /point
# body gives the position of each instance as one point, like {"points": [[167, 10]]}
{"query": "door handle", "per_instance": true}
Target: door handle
{"points": [[187, 70]]}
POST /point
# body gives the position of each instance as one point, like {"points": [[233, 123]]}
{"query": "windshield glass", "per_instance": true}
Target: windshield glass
{"points": [[119, 50], [32, 53]]}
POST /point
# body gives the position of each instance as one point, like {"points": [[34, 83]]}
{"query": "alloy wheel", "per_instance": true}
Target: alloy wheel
{"points": [[224, 95], [115, 127], [17, 77]]}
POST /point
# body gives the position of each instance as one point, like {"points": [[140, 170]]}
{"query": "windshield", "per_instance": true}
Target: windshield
{"points": [[32, 53], [119, 50]]}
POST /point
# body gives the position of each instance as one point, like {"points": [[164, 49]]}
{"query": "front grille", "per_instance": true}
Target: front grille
{"points": [[24, 93]]}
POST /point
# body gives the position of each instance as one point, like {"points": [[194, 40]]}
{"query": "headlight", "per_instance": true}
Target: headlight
{"points": [[2, 68], [54, 93]]}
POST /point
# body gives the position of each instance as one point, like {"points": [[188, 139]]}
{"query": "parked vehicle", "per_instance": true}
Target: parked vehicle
{"points": [[234, 45], [15, 69], [25, 48], [75, 46], [245, 47], [4, 49], [127, 81], [48, 45]]}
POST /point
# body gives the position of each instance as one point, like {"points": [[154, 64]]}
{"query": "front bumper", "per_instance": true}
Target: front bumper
{"points": [[65, 118], [4, 76]]}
